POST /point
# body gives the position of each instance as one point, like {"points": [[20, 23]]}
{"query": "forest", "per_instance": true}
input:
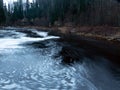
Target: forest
{"points": [[61, 12]]}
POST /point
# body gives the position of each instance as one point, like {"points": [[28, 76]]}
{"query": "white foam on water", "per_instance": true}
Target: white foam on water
{"points": [[11, 86], [9, 27], [15, 43], [12, 42], [44, 34], [11, 34], [3, 81], [14, 86], [28, 39]]}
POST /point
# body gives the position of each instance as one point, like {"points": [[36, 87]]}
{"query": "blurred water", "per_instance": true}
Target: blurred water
{"points": [[28, 63]]}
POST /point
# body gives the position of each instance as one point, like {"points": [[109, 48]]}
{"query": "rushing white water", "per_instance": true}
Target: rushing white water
{"points": [[16, 42], [25, 67], [44, 34]]}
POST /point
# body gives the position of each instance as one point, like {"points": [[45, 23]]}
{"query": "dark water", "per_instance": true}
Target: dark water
{"points": [[35, 60]]}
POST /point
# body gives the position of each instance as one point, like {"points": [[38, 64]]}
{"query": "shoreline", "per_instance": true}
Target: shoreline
{"points": [[100, 33], [107, 34], [108, 48]]}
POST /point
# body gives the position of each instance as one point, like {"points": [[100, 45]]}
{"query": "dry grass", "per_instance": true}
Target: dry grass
{"points": [[103, 32]]}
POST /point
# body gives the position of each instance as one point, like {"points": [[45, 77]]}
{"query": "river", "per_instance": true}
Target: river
{"points": [[31, 59]]}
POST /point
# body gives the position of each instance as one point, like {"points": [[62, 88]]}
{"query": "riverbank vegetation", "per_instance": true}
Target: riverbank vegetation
{"points": [[78, 16]]}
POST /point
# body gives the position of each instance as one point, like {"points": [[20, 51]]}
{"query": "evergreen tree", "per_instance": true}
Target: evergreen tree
{"points": [[90, 12], [27, 9], [20, 9], [2, 13]]}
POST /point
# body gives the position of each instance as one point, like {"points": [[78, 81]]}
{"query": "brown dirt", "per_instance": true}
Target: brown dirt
{"points": [[108, 33], [98, 32]]}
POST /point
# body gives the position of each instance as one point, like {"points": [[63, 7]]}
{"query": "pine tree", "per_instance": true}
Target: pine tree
{"points": [[20, 9], [27, 9], [2, 13]]}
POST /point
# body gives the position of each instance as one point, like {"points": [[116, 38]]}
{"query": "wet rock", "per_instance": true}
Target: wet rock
{"points": [[71, 55]]}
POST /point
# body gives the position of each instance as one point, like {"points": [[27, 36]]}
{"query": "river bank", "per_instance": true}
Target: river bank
{"points": [[103, 40], [103, 33], [106, 34]]}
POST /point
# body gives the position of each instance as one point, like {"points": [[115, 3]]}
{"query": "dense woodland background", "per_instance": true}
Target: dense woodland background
{"points": [[61, 12]]}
